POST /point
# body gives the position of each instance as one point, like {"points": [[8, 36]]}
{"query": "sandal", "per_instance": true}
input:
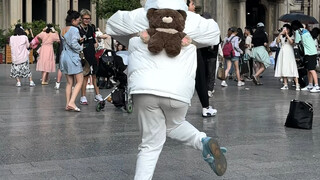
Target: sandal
{"points": [[74, 109], [213, 154]]}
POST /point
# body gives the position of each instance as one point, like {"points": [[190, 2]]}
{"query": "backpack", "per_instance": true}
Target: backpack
{"points": [[228, 50]]}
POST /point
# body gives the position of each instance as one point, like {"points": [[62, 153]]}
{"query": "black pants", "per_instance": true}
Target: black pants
{"points": [[201, 82], [210, 65], [250, 67], [276, 58]]}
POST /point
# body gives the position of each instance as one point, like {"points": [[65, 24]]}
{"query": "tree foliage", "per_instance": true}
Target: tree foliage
{"points": [[106, 8]]}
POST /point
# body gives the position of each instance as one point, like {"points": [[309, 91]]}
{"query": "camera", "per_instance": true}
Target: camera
{"points": [[280, 29]]}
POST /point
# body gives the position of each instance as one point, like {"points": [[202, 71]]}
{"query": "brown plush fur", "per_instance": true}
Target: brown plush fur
{"points": [[163, 40]]}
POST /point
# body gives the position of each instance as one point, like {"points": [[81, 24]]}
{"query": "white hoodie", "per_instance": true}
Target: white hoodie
{"points": [[172, 77]]}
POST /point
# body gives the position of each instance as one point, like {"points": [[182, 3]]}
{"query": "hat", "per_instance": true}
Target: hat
{"points": [[260, 24], [233, 29], [166, 4]]}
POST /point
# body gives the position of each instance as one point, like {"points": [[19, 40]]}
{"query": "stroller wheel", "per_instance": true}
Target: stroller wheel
{"points": [[98, 107], [129, 108]]}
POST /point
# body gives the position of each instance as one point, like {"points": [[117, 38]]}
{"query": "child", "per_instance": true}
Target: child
{"points": [[19, 44]]}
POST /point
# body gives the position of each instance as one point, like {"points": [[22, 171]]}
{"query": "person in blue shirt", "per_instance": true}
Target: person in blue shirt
{"points": [[310, 57]]}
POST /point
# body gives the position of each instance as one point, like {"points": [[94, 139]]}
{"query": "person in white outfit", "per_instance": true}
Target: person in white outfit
{"points": [[162, 86], [286, 63]]}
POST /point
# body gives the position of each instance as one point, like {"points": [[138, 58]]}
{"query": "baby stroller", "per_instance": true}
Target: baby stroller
{"points": [[111, 64]]}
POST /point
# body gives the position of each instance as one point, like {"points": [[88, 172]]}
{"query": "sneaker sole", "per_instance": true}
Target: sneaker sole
{"points": [[220, 161], [314, 91], [83, 103]]}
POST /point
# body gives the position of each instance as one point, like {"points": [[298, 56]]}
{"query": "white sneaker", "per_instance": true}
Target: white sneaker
{"points": [[240, 83], [298, 87], [18, 84], [83, 100], [208, 112], [32, 84], [315, 89], [210, 93], [57, 86], [285, 87], [224, 84], [307, 88], [98, 97]]}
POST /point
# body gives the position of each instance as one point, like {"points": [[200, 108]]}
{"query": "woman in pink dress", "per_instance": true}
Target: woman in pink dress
{"points": [[46, 61]]}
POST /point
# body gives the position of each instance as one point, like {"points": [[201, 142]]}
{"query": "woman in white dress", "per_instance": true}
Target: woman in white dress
{"points": [[286, 65]]}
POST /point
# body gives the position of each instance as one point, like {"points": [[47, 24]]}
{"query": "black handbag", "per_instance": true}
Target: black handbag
{"points": [[243, 66], [300, 115]]}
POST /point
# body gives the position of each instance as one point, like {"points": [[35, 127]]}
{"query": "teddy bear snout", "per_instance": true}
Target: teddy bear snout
{"points": [[167, 19]]}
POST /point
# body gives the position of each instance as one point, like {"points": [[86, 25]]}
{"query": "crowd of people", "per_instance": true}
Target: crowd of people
{"points": [[161, 110], [89, 41], [289, 64]]}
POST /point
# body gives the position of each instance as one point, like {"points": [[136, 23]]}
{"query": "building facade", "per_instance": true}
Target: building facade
{"points": [[227, 13], [51, 11], [242, 13]]}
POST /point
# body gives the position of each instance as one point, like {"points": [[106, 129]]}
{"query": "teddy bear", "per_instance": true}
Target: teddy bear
{"points": [[165, 31]]}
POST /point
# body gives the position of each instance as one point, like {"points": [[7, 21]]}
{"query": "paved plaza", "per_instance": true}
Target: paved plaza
{"points": [[40, 140]]}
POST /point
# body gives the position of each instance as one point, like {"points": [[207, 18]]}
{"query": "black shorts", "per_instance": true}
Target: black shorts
{"points": [[310, 62], [89, 55]]}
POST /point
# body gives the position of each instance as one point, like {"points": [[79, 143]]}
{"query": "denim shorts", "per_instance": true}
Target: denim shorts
{"points": [[236, 58]]}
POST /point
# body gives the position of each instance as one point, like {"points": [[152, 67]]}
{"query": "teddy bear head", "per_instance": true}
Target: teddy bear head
{"points": [[167, 18]]}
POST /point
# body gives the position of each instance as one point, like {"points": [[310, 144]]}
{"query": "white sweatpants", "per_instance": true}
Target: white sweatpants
{"points": [[159, 117]]}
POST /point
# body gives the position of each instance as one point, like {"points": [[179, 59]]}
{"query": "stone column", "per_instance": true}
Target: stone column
{"points": [[62, 7], [75, 5], [220, 14], [93, 14], [315, 10], [49, 11], [242, 17], [29, 10], [15, 7], [281, 10]]}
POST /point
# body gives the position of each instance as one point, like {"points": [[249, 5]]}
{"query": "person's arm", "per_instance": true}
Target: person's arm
{"points": [[27, 42], [265, 40], [125, 24], [73, 41], [203, 32], [236, 45], [297, 37], [289, 39]]}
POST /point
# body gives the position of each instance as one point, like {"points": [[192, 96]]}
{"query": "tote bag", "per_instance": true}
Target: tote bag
{"points": [[300, 115]]}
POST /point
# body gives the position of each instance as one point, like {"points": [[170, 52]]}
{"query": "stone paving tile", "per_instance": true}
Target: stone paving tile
{"points": [[42, 141]]}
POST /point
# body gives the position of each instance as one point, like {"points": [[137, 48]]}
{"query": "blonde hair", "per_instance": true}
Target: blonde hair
{"points": [[84, 12]]}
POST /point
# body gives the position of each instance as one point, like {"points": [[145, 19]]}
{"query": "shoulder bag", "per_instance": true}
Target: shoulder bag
{"points": [[300, 115]]}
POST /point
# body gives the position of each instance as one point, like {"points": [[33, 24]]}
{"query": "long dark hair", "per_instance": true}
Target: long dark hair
{"points": [[18, 31], [289, 28], [72, 15], [188, 2], [296, 25], [315, 32]]}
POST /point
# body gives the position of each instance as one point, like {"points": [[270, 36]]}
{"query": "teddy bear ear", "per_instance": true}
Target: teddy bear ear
{"points": [[150, 13], [183, 13]]}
